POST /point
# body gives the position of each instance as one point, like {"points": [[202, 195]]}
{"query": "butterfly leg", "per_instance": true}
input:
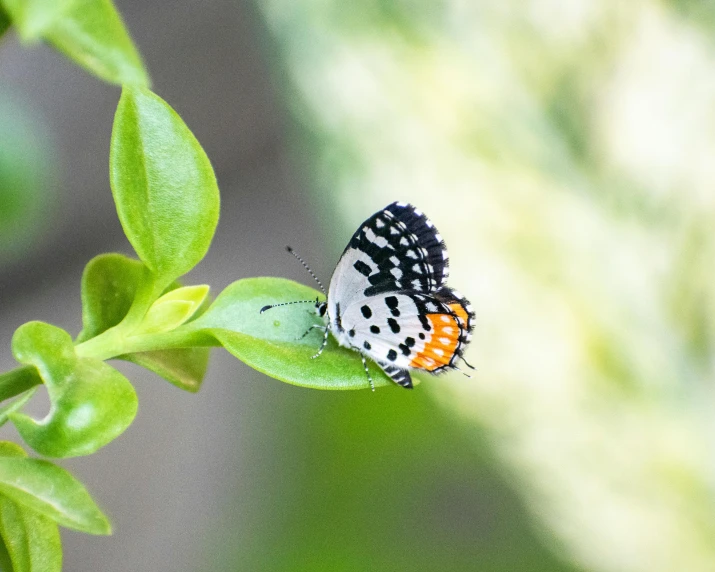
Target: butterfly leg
{"points": [[468, 364], [322, 346], [462, 372], [367, 372], [400, 376], [313, 327]]}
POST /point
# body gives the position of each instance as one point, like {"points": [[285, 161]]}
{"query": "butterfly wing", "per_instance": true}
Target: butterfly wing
{"points": [[410, 330], [388, 300], [398, 248]]}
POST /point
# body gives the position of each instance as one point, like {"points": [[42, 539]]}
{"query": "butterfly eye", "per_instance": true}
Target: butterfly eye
{"points": [[321, 308]]}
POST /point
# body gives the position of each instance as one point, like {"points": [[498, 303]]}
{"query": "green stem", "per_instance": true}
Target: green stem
{"points": [[17, 381], [111, 344]]}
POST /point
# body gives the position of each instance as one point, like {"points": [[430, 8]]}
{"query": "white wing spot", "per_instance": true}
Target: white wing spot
{"points": [[446, 319], [448, 330], [379, 223], [395, 260], [396, 272], [438, 351], [416, 283], [403, 240], [431, 306], [417, 268], [444, 341]]}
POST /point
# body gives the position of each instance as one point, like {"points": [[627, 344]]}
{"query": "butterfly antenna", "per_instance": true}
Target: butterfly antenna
{"points": [[289, 249], [286, 304]]}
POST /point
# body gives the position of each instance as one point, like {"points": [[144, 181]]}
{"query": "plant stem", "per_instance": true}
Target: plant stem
{"points": [[17, 381], [111, 344]]}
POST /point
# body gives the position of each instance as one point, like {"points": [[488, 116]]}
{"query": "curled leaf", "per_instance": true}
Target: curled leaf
{"points": [[271, 342], [92, 403]]}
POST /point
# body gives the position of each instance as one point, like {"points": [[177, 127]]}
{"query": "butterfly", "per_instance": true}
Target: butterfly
{"points": [[388, 299]]}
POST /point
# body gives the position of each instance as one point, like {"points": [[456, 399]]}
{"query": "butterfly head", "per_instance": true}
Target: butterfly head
{"points": [[321, 307]]}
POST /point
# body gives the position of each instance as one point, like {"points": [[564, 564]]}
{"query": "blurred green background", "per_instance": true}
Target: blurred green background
{"points": [[564, 151]]}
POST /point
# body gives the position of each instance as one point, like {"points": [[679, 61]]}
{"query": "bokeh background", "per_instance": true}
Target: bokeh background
{"points": [[564, 148]]}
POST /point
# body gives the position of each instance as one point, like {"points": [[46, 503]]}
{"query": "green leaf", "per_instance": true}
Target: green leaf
{"points": [[185, 368], [10, 449], [92, 403], [90, 32], [15, 405], [93, 35], [31, 539], [33, 17], [163, 185], [5, 563], [268, 342], [109, 284], [51, 491]]}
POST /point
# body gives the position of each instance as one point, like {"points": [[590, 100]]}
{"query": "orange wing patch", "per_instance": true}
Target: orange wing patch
{"points": [[442, 344], [461, 314]]}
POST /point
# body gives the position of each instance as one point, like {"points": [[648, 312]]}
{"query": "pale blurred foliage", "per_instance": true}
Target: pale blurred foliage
{"points": [[564, 148]]}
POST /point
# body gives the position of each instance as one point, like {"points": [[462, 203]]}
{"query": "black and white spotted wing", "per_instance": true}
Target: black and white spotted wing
{"points": [[398, 248]]}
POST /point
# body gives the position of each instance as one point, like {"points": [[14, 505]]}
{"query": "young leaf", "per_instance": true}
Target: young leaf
{"points": [[271, 342], [51, 491], [163, 185], [109, 284], [172, 309], [92, 403], [31, 539]]}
